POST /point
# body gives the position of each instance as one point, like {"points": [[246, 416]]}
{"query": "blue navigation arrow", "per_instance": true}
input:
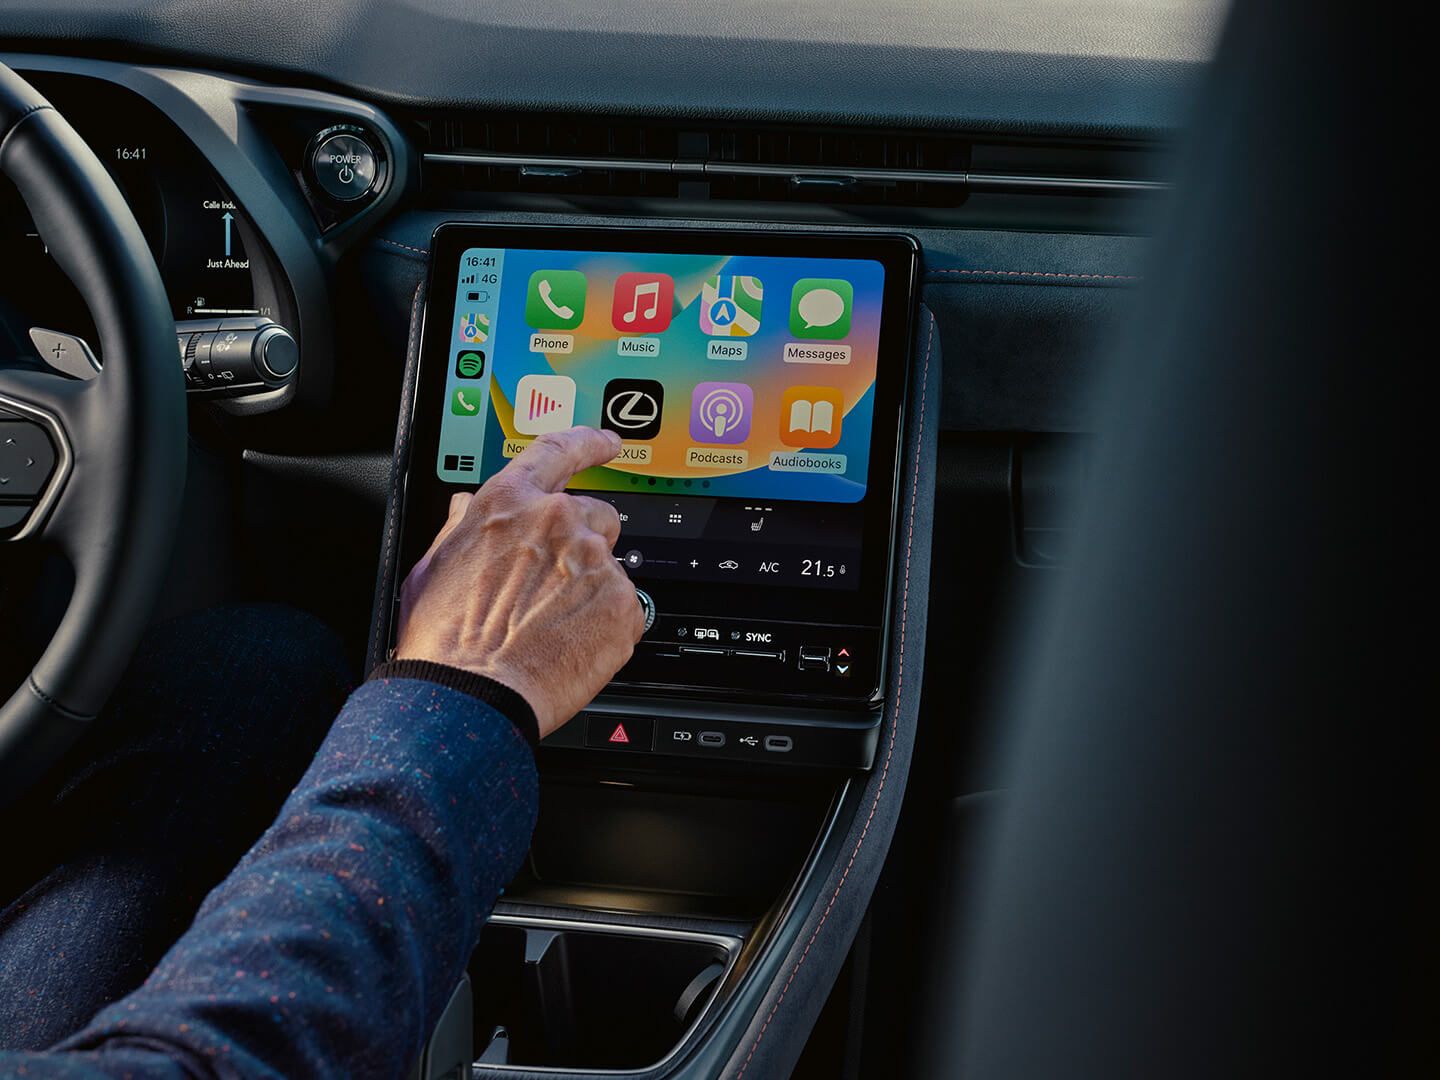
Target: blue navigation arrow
{"points": [[228, 218]]}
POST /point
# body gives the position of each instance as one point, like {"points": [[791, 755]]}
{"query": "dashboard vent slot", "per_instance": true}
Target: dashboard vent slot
{"points": [[467, 157], [522, 155]]}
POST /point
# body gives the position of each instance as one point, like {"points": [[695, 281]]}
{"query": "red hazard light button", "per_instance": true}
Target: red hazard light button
{"points": [[633, 733]]}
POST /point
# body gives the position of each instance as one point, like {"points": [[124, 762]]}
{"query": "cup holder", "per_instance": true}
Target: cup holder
{"points": [[574, 995]]}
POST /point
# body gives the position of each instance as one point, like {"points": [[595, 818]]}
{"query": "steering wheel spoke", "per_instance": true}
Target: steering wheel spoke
{"points": [[42, 421]]}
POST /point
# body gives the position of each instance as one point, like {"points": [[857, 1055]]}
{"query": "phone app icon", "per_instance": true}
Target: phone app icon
{"points": [[474, 327], [467, 401], [632, 408], [644, 303], [730, 305], [820, 308], [720, 412], [555, 299], [810, 417], [544, 403], [470, 364]]}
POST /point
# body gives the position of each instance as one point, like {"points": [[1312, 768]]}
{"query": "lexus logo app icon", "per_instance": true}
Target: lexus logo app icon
{"points": [[633, 408]]}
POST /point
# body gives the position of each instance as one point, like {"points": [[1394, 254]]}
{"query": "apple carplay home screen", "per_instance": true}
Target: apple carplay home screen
{"points": [[743, 383], [740, 376]]}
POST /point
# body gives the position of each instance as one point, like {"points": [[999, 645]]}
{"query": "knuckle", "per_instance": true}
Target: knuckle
{"points": [[593, 549], [556, 510], [500, 490]]}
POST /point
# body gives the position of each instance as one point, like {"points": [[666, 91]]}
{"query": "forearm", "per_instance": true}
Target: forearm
{"points": [[335, 943]]}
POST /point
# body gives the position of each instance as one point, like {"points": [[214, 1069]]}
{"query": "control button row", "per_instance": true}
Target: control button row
{"points": [[715, 740], [637, 734], [774, 656]]}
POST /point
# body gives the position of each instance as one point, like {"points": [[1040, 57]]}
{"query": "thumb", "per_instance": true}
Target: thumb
{"points": [[459, 504]]}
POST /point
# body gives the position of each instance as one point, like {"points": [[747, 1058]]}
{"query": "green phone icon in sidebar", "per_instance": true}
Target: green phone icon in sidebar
{"points": [[555, 299], [466, 401]]}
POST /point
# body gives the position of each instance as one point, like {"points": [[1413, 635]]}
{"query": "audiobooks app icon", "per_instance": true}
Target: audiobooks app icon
{"points": [[544, 403], [810, 417]]}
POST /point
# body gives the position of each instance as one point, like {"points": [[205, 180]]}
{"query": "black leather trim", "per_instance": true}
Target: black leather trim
{"points": [[387, 582], [55, 706]]}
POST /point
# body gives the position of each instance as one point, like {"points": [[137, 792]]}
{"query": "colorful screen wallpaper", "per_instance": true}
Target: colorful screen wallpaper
{"points": [[736, 376]]}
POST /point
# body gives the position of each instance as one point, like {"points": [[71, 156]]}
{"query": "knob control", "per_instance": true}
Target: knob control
{"points": [[276, 354], [647, 605]]}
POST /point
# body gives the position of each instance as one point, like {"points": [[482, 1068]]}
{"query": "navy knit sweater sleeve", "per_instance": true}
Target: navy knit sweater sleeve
{"points": [[333, 946]]}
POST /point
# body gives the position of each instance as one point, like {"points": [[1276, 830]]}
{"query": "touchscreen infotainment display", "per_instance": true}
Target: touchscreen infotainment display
{"points": [[756, 380], [727, 375]]}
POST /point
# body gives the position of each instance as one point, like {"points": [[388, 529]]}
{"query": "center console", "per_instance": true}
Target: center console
{"points": [[712, 825], [758, 382]]}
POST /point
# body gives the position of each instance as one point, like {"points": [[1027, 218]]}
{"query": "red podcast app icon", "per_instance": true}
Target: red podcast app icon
{"points": [[643, 303]]}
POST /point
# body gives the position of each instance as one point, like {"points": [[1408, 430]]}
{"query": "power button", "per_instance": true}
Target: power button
{"points": [[344, 165]]}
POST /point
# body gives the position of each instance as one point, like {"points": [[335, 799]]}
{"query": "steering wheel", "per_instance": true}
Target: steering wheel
{"points": [[92, 466]]}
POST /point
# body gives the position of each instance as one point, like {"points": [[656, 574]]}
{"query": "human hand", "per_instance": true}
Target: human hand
{"points": [[521, 585]]}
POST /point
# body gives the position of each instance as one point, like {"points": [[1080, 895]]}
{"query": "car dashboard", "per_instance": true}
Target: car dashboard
{"points": [[682, 875]]}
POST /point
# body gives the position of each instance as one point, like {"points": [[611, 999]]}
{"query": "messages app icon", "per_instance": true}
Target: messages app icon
{"points": [[820, 308]]}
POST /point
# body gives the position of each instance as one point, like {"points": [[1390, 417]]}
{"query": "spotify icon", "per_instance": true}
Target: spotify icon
{"points": [[470, 364]]}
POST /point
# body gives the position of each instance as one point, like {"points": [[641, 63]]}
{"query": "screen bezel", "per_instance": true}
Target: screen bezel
{"points": [[426, 496]]}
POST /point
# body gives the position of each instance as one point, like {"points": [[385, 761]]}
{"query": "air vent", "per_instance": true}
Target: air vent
{"points": [[469, 156]]}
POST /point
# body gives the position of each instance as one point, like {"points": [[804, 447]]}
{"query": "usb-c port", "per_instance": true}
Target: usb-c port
{"points": [[712, 738]]}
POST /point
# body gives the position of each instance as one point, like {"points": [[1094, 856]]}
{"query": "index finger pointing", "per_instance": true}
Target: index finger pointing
{"points": [[551, 460]]}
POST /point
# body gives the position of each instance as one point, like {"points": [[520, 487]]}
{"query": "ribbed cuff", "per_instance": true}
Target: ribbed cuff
{"points": [[497, 695]]}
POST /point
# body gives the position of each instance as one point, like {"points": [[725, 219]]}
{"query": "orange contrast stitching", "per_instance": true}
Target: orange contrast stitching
{"points": [[894, 717]]}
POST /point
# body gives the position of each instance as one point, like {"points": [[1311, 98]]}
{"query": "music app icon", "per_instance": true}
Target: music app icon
{"points": [[644, 303]]}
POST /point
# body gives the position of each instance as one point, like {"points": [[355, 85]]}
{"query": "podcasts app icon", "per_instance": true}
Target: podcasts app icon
{"points": [[720, 413]]}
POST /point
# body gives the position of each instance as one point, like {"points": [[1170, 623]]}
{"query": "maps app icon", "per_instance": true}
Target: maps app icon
{"points": [[730, 305], [474, 327]]}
